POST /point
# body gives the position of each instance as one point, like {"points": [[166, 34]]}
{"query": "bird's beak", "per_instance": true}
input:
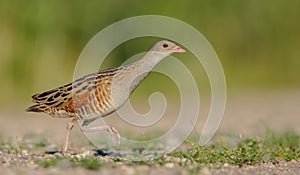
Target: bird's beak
{"points": [[177, 49]]}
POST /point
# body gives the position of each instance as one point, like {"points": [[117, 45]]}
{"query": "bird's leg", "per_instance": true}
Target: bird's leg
{"points": [[70, 125], [112, 131]]}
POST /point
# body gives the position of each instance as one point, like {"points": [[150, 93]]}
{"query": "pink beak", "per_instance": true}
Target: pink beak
{"points": [[177, 49]]}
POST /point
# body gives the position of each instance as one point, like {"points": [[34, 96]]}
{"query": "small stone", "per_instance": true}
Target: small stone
{"points": [[170, 165], [149, 157], [86, 154], [58, 154], [177, 160], [226, 165]]}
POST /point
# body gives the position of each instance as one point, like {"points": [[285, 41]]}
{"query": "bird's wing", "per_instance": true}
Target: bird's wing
{"points": [[64, 95]]}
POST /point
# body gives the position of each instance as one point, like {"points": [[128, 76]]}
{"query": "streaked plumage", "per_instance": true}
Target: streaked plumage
{"points": [[98, 94]]}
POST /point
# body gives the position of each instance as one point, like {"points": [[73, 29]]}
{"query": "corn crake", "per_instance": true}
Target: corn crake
{"points": [[99, 94]]}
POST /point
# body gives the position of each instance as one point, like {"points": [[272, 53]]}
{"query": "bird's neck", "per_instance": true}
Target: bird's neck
{"points": [[132, 75], [150, 60], [141, 68]]}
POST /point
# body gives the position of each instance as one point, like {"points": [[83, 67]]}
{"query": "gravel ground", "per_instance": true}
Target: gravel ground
{"points": [[22, 164], [26, 163], [254, 112]]}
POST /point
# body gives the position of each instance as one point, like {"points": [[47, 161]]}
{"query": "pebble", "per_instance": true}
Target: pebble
{"points": [[169, 165], [59, 155]]}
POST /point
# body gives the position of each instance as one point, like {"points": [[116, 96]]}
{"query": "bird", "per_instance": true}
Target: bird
{"points": [[99, 94]]}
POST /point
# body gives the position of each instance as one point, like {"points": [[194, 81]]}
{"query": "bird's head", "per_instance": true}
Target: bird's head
{"points": [[166, 47], [160, 51]]}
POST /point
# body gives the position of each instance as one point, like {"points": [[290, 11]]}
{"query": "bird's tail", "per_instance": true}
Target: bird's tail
{"points": [[37, 108]]}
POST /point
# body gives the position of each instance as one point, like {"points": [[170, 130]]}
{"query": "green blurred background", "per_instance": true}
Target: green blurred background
{"points": [[40, 41]]}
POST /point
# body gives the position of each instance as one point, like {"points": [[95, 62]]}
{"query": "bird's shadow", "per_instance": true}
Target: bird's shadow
{"points": [[102, 152], [97, 153]]}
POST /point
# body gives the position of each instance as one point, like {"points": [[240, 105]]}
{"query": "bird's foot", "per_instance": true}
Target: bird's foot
{"points": [[68, 152]]}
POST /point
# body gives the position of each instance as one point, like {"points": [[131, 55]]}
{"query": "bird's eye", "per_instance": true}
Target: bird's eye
{"points": [[165, 45]]}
